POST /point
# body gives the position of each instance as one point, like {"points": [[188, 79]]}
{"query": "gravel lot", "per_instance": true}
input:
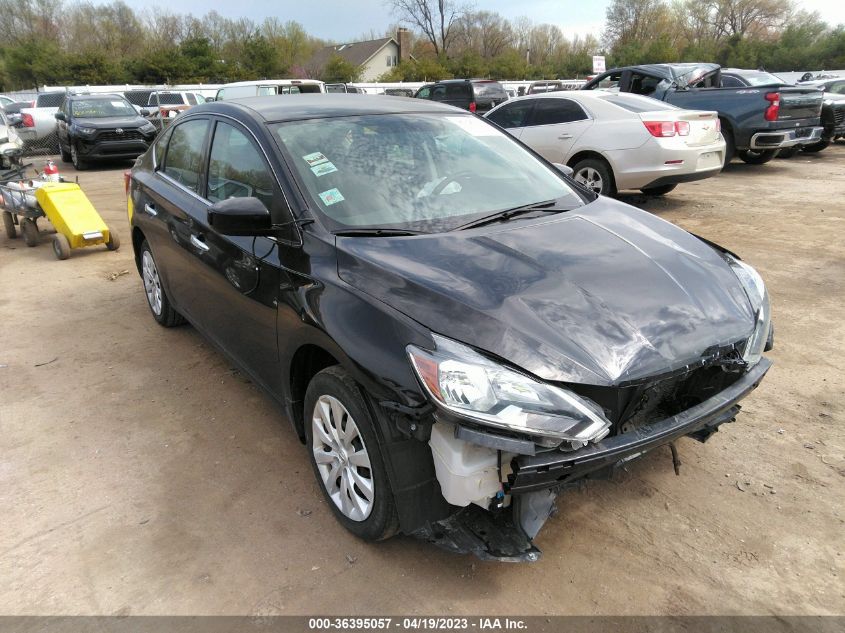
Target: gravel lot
{"points": [[140, 473]]}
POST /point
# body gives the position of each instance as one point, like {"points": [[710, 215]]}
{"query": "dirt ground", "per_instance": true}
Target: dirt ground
{"points": [[141, 474]]}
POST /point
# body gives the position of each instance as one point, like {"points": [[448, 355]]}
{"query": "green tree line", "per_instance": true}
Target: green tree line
{"points": [[78, 42]]}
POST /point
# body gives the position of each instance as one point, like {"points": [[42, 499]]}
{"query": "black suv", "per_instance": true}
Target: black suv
{"points": [[92, 127], [475, 95]]}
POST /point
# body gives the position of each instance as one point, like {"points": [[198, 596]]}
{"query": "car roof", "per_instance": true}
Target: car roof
{"points": [[316, 106], [271, 82], [99, 95]]}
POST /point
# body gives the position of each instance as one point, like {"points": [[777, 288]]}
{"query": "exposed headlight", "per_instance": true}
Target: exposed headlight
{"points": [[759, 298], [147, 128], [85, 130], [468, 384]]}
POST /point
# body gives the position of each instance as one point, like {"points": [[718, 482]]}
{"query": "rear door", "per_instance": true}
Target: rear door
{"points": [[236, 285], [513, 116], [555, 125]]}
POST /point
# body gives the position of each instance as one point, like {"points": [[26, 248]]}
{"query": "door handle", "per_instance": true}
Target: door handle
{"points": [[199, 243], [564, 137], [149, 208]]}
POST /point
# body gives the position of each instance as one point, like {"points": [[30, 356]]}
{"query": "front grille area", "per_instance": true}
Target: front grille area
{"points": [[839, 114], [126, 135]]}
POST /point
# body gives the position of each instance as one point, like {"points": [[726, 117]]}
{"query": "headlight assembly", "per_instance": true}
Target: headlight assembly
{"points": [[754, 287], [147, 128], [467, 384], [85, 130]]}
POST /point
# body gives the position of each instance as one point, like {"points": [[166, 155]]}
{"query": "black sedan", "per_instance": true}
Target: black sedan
{"points": [[455, 329]]}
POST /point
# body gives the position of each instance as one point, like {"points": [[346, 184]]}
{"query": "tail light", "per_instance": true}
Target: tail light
{"points": [[773, 110], [127, 178], [667, 129], [26, 120], [472, 106]]}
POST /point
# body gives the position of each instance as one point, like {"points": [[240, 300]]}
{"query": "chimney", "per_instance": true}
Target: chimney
{"points": [[403, 36]]}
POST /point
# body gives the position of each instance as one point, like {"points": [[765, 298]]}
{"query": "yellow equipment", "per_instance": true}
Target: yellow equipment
{"points": [[75, 219]]}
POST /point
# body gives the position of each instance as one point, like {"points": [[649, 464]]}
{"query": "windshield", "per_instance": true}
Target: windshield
{"points": [[97, 108], [761, 79], [421, 172]]}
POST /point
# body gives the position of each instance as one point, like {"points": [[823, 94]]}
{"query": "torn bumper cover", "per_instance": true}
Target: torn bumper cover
{"points": [[507, 534]]}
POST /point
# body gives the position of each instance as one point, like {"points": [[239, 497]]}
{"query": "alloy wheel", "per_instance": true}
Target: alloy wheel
{"points": [[152, 283], [342, 458], [590, 178]]}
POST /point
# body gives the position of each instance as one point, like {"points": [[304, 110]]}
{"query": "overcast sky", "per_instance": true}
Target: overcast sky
{"points": [[345, 20]]}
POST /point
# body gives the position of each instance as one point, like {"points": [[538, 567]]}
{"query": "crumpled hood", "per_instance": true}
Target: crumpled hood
{"points": [[600, 295]]}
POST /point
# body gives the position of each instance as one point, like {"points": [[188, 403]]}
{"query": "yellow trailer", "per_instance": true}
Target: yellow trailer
{"points": [[75, 219]]}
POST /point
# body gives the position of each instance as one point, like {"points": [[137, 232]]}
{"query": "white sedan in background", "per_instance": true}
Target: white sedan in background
{"points": [[616, 141]]}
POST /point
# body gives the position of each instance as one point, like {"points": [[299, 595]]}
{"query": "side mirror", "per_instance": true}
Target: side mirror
{"points": [[144, 112], [567, 171], [60, 116], [240, 216]]}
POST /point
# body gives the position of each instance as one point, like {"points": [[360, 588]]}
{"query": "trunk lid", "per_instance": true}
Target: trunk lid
{"points": [[799, 103]]}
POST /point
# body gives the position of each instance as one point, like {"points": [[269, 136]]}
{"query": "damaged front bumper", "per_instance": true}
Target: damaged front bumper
{"points": [[506, 534]]}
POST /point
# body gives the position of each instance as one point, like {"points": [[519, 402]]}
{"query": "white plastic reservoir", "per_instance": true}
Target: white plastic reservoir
{"points": [[467, 473]]}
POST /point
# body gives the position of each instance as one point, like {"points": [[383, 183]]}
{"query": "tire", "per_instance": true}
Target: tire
{"points": [[30, 232], [78, 163], [730, 146], [66, 157], [333, 393], [61, 247], [9, 225], [596, 175], [756, 157], [157, 299], [658, 191], [788, 152], [816, 147], [114, 240]]}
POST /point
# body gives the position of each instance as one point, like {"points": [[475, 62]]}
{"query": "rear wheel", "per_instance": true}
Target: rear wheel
{"points": [[730, 146], [755, 156], [9, 225], [61, 247], [346, 456], [30, 232], [596, 175], [658, 191], [114, 241], [816, 147], [163, 312]]}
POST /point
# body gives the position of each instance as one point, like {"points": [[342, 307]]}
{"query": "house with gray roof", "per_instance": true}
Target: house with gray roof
{"points": [[373, 57]]}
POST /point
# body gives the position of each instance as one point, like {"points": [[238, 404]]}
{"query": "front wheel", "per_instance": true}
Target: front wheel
{"points": [[9, 225], [78, 163], [596, 175], [755, 156], [164, 313], [66, 157], [346, 456], [658, 191]]}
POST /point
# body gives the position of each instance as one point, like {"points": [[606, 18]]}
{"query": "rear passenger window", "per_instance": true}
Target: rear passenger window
{"points": [[458, 91], [192, 100], [160, 146], [512, 115], [731, 82], [554, 111], [238, 169], [183, 161], [265, 91]]}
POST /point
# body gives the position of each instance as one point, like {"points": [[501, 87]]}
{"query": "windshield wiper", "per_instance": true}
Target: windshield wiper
{"points": [[376, 232], [507, 214]]}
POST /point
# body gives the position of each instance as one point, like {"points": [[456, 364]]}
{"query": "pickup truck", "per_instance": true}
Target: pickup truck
{"points": [[756, 122], [37, 125]]}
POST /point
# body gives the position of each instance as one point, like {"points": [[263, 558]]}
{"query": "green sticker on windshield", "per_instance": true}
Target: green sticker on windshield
{"points": [[332, 196], [323, 168], [315, 159]]}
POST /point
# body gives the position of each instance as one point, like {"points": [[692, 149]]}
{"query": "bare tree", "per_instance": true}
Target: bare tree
{"points": [[744, 17], [435, 18]]}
